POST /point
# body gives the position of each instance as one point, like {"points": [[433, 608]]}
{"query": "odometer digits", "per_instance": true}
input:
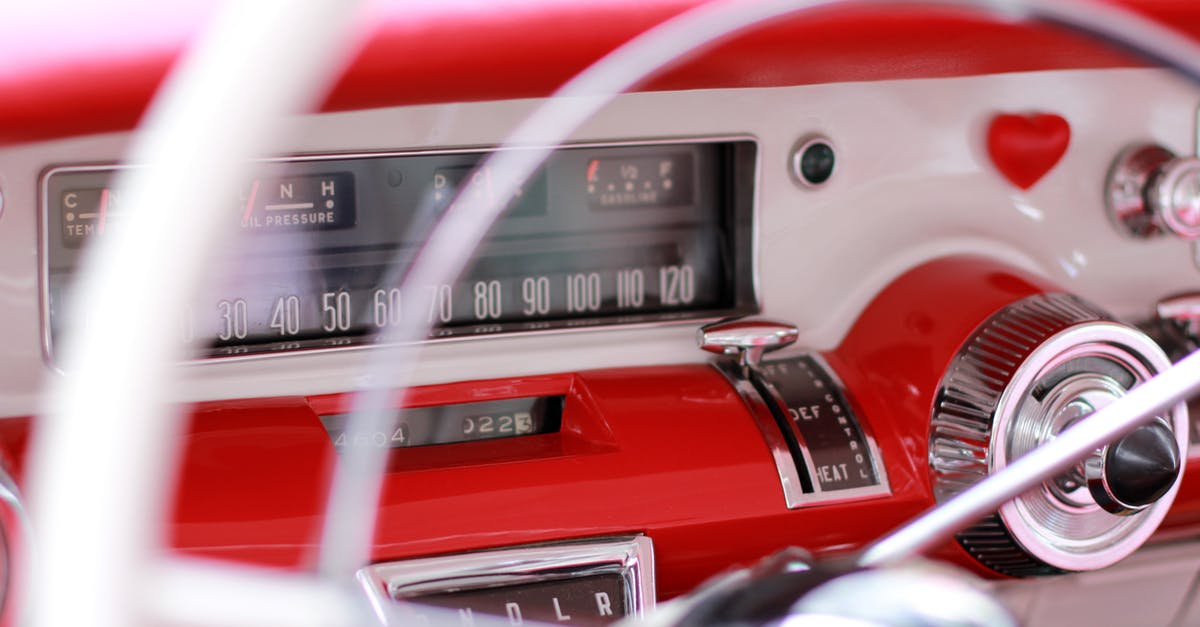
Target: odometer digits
{"points": [[452, 424]]}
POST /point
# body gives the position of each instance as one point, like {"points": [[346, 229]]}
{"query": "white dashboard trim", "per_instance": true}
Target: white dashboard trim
{"points": [[927, 191]]}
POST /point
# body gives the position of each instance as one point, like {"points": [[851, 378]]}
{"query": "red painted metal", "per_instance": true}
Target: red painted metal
{"points": [[894, 356], [667, 451], [897, 352], [1024, 148], [63, 78]]}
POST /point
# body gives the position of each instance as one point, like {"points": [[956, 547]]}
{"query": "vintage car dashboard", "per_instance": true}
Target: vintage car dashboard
{"points": [[562, 412]]}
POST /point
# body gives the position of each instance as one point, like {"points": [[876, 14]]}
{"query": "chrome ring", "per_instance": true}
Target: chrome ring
{"points": [[1004, 394]]}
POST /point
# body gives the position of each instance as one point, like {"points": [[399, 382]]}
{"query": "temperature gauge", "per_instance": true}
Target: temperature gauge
{"points": [[307, 202], [85, 212], [657, 181]]}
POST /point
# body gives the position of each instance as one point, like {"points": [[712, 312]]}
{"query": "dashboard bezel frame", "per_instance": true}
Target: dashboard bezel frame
{"points": [[744, 210]]}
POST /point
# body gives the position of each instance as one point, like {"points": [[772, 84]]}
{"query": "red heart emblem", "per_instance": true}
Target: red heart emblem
{"points": [[1025, 147]]}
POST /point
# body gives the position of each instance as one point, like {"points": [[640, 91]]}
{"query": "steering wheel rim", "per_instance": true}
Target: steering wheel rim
{"points": [[88, 397]]}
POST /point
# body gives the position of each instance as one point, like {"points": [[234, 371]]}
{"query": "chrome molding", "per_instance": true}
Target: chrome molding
{"points": [[790, 479], [743, 218], [1000, 400], [631, 557], [785, 466]]}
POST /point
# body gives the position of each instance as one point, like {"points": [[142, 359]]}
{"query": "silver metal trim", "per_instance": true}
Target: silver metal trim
{"points": [[753, 210], [986, 416], [1182, 310], [12, 555], [1134, 169], [797, 155], [1196, 134], [749, 339], [819, 496], [1162, 196], [785, 464], [632, 557]]}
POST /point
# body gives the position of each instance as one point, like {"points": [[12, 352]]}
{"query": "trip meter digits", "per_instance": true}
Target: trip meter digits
{"points": [[669, 241]]}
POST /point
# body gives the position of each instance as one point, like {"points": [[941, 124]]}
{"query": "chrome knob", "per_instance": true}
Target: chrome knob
{"points": [[1134, 472], [1151, 191], [1174, 196], [749, 339], [1029, 372]]}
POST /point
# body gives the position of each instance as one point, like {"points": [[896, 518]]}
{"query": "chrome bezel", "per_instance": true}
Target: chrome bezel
{"points": [[745, 220], [785, 464], [986, 412], [1128, 177], [764, 419], [631, 557], [797, 157], [1143, 358], [1163, 195]]}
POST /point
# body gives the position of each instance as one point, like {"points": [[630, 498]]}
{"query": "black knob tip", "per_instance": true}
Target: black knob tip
{"points": [[1141, 467]]}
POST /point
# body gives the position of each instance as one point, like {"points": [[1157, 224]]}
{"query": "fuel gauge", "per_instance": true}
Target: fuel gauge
{"points": [[655, 181]]}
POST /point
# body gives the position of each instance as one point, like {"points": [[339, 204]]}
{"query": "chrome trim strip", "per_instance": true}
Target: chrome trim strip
{"points": [[16, 550], [884, 487], [632, 557], [749, 221], [785, 466], [819, 496]]}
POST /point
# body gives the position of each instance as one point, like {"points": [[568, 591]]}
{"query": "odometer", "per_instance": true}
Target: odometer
{"points": [[612, 234]]}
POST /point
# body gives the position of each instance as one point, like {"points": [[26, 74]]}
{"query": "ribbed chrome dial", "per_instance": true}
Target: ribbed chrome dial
{"points": [[1027, 373]]}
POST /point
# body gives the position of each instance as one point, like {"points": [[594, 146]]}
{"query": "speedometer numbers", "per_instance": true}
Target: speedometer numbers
{"points": [[601, 235]]}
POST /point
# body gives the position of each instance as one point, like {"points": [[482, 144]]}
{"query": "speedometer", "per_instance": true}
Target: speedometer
{"points": [[605, 234]]}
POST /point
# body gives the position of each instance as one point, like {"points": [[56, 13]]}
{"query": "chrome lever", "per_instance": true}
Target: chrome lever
{"points": [[749, 339], [1183, 310], [1176, 324]]}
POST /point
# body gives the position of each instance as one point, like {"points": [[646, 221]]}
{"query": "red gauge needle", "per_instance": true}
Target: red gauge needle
{"points": [[250, 201], [102, 211]]}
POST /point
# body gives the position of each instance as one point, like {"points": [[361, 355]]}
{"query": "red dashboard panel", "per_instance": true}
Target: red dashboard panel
{"points": [[101, 78], [671, 452], [667, 451]]}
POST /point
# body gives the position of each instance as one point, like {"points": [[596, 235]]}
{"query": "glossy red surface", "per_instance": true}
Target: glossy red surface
{"points": [[897, 351], [670, 452], [667, 451], [97, 74], [1024, 148]]}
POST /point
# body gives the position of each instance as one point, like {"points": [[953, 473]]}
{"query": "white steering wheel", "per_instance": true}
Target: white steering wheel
{"points": [[105, 447]]}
